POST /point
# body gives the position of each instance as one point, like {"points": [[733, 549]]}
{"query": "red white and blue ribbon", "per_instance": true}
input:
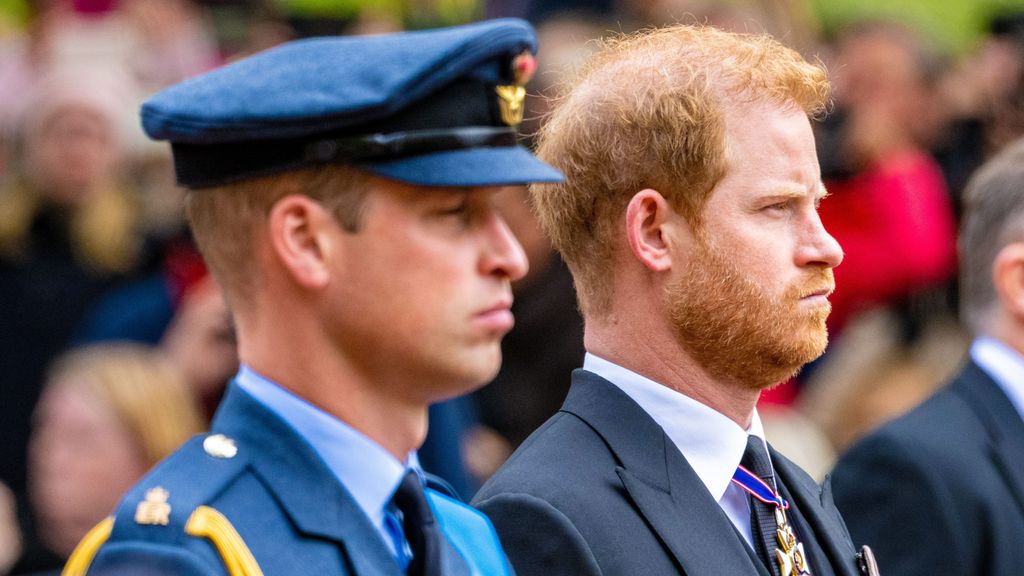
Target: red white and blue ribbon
{"points": [[758, 488]]}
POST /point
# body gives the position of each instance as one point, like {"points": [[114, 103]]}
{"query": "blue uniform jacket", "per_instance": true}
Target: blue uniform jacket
{"points": [[254, 498]]}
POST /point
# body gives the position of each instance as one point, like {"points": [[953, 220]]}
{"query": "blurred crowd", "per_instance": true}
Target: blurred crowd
{"points": [[115, 346]]}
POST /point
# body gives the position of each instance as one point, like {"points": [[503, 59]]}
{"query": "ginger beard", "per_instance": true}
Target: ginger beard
{"points": [[738, 331]]}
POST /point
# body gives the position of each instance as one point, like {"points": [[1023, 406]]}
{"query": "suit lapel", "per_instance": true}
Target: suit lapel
{"points": [[664, 487], [1001, 419], [311, 496], [819, 513]]}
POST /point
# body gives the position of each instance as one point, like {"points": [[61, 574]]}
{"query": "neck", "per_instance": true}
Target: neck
{"points": [[1008, 331], [312, 369], [649, 349]]}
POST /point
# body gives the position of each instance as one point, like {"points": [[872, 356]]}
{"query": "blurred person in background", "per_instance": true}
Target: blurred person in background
{"points": [[151, 42], [892, 213], [889, 207], [987, 89], [68, 232], [171, 40], [108, 414], [201, 342], [941, 489], [157, 42], [180, 310], [984, 100]]}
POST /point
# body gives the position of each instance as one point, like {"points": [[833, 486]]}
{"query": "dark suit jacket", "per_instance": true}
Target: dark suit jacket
{"points": [[941, 489], [286, 506], [600, 489]]}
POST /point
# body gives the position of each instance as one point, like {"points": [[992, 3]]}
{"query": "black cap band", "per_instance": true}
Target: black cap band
{"points": [[462, 115], [412, 143], [202, 166]]}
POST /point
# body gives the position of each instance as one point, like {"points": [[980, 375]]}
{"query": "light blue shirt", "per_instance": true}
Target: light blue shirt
{"points": [[710, 441], [368, 471], [1005, 365]]}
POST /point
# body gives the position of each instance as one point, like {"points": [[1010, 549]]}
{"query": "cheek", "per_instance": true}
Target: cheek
{"points": [[94, 462], [433, 280], [764, 260]]}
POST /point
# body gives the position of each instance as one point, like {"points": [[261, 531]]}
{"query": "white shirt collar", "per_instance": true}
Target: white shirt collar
{"points": [[1004, 364], [712, 444], [368, 471]]}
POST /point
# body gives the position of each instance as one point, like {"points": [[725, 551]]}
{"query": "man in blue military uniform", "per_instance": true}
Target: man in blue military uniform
{"points": [[341, 193]]}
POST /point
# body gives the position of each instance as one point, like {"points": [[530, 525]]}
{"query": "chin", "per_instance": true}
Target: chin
{"points": [[465, 377], [482, 375]]}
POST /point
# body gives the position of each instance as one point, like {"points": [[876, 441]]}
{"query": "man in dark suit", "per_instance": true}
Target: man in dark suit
{"points": [[688, 218], [940, 490], [342, 196]]}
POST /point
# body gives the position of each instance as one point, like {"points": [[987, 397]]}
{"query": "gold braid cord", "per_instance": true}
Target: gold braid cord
{"points": [[205, 522], [81, 558], [208, 523]]}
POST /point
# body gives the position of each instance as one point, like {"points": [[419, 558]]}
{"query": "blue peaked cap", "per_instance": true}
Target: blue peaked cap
{"points": [[421, 107]]}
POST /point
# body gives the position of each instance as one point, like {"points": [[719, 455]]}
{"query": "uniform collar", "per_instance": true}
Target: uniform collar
{"points": [[712, 444], [368, 471]]}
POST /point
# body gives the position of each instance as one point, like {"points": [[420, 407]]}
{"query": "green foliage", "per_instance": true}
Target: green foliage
{"points": [[954, 25]]}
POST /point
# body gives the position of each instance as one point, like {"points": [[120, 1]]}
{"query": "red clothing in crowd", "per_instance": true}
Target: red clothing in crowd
{"points": [[896, 226]]}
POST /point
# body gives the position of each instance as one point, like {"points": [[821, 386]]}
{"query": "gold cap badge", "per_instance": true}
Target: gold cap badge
{"points": [[511, 97], [154, 510], [220, 446]]}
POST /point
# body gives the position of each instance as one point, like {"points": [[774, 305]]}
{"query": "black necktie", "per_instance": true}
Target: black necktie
{"points": [[420, 527], [762, 516]]}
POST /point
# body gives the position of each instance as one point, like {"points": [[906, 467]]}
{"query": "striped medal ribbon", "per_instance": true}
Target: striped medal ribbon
{"points": [[790, 554]]}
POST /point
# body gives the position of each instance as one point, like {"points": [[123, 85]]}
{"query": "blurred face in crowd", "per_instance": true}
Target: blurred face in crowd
{"points": [[201, 342], [71, 151], [751, 302], [426, 286], [82, 459], [881, 84]]}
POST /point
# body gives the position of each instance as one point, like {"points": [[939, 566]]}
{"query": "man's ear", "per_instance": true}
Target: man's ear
{"points": [[648, 216], [300, 239], [1008, 278]]}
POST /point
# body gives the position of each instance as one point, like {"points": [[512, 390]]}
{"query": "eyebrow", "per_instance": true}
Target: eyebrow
{"points": [[789, 193]]}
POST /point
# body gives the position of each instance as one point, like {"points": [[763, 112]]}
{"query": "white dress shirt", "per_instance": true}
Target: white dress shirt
{"points": [[1005, 365], [368, 471], [712, 443]]}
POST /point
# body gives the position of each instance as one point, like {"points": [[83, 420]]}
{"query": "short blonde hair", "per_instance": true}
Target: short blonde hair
{"points": [[647, 111], [146, 392], [225, 219]]}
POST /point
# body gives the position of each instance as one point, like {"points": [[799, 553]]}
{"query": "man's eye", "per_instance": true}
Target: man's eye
{"points": [[461, 208], [462, 213], [456, 210]]}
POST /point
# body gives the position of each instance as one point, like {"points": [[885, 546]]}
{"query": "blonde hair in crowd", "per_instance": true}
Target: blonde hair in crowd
{"points": [[225, 219], [648, 111], [103, 228], [145, 391]]}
